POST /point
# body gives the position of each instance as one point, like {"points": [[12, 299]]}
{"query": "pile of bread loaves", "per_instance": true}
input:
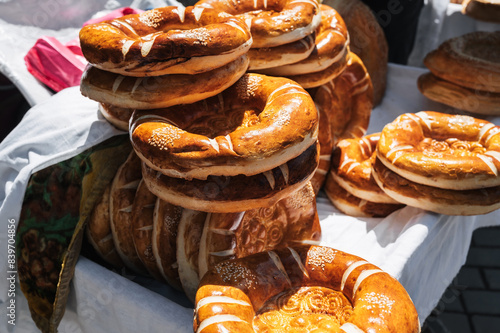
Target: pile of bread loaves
{"points": [[233, 110]]}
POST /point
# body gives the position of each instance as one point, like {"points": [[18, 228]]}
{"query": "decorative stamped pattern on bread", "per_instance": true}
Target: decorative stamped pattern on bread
{"points": [[244, 295]]}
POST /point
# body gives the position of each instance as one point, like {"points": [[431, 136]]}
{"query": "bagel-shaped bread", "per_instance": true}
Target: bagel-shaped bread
{"points": [[351, 168], [483, 10], [441, 150], [331, 46], [471, 60], [166, 40], [267, 57], [459, 97], [122, 195], [166, 219], [434, 199], [352, 205], [325, 139], [272, 23], [348, 100], [316, 79], [367, 40], [118, 117], [256, 125], [159, 91], [142, 225], [99, 234], [291, 221], [223, 194], [302, 288]]}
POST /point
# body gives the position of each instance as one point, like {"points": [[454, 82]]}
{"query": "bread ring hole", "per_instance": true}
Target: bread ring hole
{"points": [[304, 309], [221, 124]]}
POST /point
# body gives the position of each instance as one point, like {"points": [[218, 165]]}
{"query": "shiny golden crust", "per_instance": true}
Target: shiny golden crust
{"points": [[459, 97], [483, 10], [352, 205], [316, 79], [166, 40], [98, 231], [142, 228], [267, 57], [471, 60], [441, 150], [274, 22], [232, 292], [348, 100], [256, 125], [166, 219], [293, 220], [122, 195], [325, 139], [118, 117], [222, 194], [438, 200], [159, 91], [331, 46], [367, 40], [351, 168]]}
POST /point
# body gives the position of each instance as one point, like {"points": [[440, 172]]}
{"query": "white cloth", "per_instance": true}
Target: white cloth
{"points": [[417, 247]]}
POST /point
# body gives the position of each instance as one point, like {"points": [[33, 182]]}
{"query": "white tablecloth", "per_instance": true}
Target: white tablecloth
{"points": [[424, 251]]}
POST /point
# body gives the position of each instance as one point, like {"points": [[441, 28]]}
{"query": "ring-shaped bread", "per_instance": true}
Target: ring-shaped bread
{"points": [[226, 194], [331, 46], [302, 288], [352, 205], [434, 199], [348, 99], [470, 60], [159, 91], [272, 22], [256, 125], [457, 96], [166, 40], [441, 150], [118, 117], [267, 57], [352, 165]]}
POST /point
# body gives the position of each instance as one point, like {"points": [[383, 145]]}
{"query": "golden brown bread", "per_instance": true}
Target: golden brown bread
{"points": [[119, 117], [122, 195], [325, 139], [331, 46], [471, 60], [235, 294], [142, 226], [267, 57], [483, 10], [224, 194], [352, 205], [291, 221], [257, 124], [348, 100], [437, 149], [435, 199], [165, 40], [159, 91], [367, 40], [457, 96], [99, 234], [272, 23], [351, 168]]}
